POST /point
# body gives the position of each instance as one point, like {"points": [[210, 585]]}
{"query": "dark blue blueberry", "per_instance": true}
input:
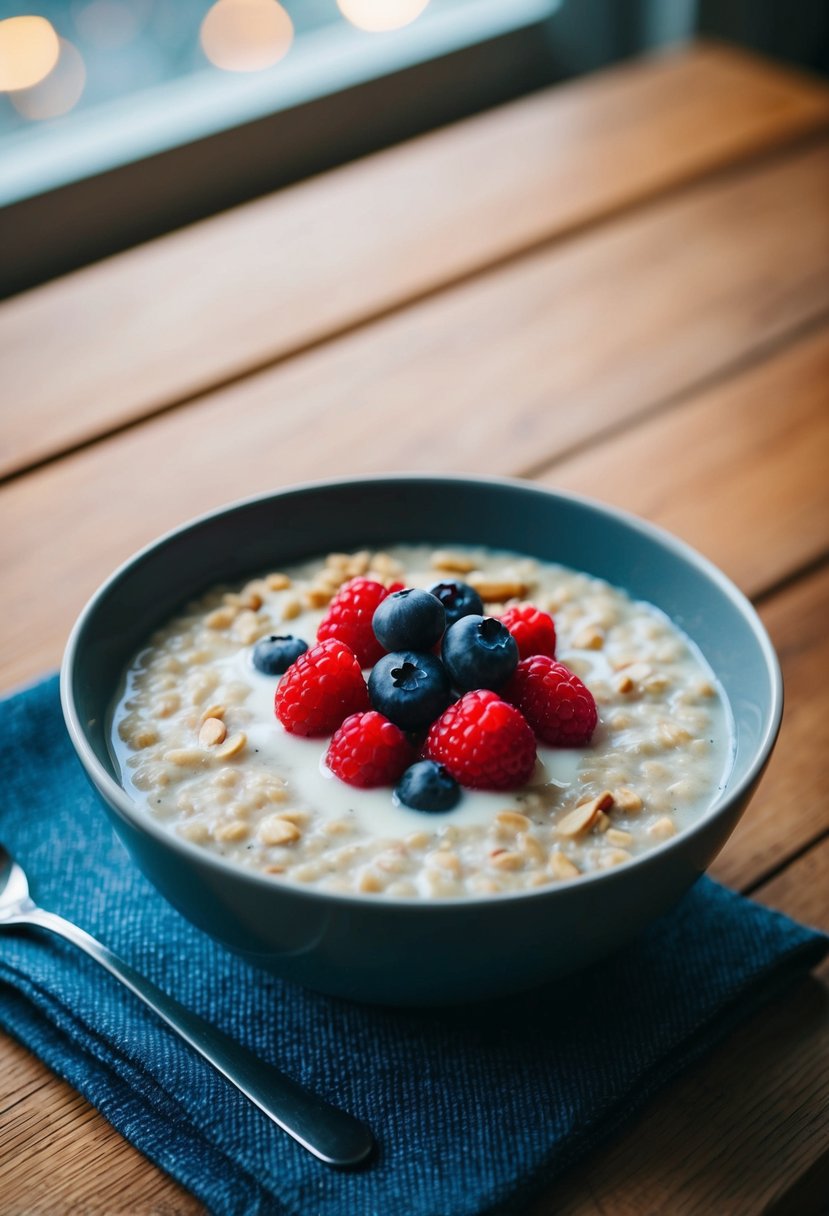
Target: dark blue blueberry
{"points": [[479, 652], [274, 655], [410, 688], [458, 599], [427, 786], [409, 620]]}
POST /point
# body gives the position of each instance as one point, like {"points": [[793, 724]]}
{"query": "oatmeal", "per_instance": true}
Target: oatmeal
{"points": [[197, 742]]}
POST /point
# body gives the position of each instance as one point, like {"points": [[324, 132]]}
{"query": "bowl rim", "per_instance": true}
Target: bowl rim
{"points": [[117, 796]]}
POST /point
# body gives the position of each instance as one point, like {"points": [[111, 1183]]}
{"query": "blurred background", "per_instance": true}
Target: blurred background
{"points": [[124, 119]]}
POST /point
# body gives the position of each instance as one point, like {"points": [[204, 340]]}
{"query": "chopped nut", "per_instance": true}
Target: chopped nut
{"points": [[277, 582], [213, 731], [232, 832], [489, 588], [612, 857], [295, 816], [446, 861], [456, 563], [510, 823], [369, 883], [232, 746], [589, 638], [602, 822], [562, 867], [503, 859], [221, 618], [317, 597], [358, 563], [625, 684], [275, 830], [213, 711], [584, 817], [663, 828], [418, 840], [195, 832], [291, 608], [337, 827], [618, 837]]}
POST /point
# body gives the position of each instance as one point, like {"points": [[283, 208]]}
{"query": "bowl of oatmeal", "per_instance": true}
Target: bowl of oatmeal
{"points": [[211, 684]]}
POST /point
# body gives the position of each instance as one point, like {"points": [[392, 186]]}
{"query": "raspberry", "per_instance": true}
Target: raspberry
{"points": [[368, 750], [557, 705], [533, 630], [483, 742], [320, 689], [349, 619]]}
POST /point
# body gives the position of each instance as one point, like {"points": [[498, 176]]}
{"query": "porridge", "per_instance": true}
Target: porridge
{"points": [[198, 744]]}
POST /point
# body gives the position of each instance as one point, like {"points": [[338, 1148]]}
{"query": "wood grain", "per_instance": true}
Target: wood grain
{"points": [[791, 808], [484, 379], [169, 320], [739, 471]]}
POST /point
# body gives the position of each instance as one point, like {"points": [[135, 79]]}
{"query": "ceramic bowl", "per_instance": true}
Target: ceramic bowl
{"points": [[374, 947]]}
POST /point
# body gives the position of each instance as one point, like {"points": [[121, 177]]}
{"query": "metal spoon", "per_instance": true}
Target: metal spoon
{"points": [[330, 1134]]}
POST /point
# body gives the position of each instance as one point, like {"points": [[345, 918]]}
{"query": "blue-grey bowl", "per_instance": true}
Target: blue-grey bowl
{"points": [[374, 947]]}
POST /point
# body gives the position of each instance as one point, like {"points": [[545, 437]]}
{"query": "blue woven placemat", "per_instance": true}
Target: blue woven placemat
{"points": [[474, 1108]]}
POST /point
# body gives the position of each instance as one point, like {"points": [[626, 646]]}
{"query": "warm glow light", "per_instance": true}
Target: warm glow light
{"points": [[379, 15], [246, 35], [29, 49], [58, 92]]}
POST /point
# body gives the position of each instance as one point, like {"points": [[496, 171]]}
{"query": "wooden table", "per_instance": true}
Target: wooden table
{"points": [[618, 286]]}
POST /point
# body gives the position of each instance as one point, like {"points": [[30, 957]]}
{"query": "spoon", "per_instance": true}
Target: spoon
{"points": [[330, 1134]]}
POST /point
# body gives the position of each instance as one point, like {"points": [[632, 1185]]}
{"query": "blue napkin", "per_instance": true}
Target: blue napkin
{"points": [[475, 1108]]}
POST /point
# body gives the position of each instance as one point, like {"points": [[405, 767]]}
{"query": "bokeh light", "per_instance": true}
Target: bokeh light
{"points": [[58, 92], [246, 35], [29, 49], [377, 16]]}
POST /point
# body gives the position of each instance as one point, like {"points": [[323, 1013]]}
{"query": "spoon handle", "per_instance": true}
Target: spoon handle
{"points": [[330, 1134]]}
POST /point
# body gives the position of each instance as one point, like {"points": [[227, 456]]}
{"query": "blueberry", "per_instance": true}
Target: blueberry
{"points": [[458, 599], [411, 689], [479, 652], [427, 786], [274, 655], [409, 620]]}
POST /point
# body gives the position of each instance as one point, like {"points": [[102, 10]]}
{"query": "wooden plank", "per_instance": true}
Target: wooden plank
{"points": [[790, 808], [738, 471], [487, 378], [59, 1154], [740, 1131], [168, 320]]}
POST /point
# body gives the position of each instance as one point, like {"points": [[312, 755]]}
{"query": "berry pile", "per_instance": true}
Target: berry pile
{"points": [[454, 698]]}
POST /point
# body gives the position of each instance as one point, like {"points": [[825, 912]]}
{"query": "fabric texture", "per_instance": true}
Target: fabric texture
{"points": [[474, 1108]]}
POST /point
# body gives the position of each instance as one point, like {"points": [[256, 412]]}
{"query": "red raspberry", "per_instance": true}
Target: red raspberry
{"points": [[349, 619], [483, 742], [557, 705], [320, 688], [532, 629], [368, 750]]}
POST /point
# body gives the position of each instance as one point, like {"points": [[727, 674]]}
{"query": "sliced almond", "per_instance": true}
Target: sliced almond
{"points": [[455, 563], [232, 832], [562, 867], [499, 589], [583, 818], [626, 800], [512, 822], [213, 731], [277, 582], [662, 829], [275, 830], [589, 638], [504, 859], [232, 746]]}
